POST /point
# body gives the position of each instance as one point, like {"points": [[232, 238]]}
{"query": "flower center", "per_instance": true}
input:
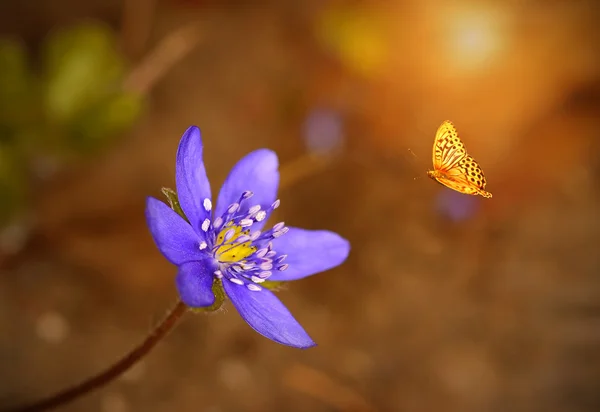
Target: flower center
{"points": [[233, 250], [244, 257]]}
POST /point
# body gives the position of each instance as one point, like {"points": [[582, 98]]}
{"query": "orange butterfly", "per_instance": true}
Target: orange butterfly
{"points": [[453, 167]]}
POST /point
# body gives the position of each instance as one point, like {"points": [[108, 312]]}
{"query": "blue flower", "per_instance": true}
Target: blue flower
{"points": [[228, 245]]}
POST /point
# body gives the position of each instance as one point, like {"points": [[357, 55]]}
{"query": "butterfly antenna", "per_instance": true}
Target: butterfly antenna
{"points": [[413, 153], [416, 158]]}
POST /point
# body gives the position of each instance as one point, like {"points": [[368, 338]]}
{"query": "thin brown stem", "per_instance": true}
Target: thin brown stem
{"points": [[136, 26], [95, 382], [169, 51]]}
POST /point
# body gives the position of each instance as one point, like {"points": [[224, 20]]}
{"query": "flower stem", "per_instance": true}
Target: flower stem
{"points": [[95, 382]]}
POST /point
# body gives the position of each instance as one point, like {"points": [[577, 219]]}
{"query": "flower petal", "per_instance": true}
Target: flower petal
{"points": [[190, 176], [265, 313], [257, 172], [309, 252], [194, 283], [174, 237]]}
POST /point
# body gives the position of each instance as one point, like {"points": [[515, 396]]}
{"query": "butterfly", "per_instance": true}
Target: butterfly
{"points": [[452, 166]]}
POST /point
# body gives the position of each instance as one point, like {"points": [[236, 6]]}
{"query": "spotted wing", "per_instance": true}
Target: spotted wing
{"points": [[448, 149], [458, 184], [466, 177]]}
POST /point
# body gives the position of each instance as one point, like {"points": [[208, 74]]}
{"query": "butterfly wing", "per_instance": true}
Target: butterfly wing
{"points": [[466, 177], [453, 166], [458, 185], [448, 149]]}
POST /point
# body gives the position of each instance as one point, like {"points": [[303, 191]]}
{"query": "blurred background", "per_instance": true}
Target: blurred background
{"points": [[447, 303]]}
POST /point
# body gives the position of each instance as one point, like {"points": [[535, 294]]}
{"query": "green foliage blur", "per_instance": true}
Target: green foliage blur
{"points": [[73, 106]]}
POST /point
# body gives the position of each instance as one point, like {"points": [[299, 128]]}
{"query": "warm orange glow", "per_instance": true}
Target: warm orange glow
{"points": [[356, 36], [473, 38]]}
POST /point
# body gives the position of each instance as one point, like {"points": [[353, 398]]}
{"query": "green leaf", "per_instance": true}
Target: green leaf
{"points": [[102, 123], [82, 67], [174, 202], [16, 85], [217, 289], [273, 285]]}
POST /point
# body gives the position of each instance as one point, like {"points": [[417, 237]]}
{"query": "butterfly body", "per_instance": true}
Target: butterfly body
{"points": [[453, 167]]}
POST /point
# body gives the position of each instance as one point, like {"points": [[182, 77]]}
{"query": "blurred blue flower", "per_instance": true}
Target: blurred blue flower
{"points": [[228, 244], [456, 206], [323, 131]]}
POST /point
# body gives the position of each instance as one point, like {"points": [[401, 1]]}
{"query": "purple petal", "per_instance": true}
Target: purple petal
{"points": [[174, 237], [194, 283], [256, 172], [190, 176], [309, 252], [267, 315]]}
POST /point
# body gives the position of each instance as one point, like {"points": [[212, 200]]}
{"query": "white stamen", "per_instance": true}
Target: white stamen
{"points": [[254, 235], [236, 281], [260, 216], [253, 287], [246, 222], [218, 274], [280, 233], [229, 234], [271, 254], [261, 253], [203, 245], [266, 266], [242, 239], [276, 204], [283, 267], [256, 279], [233, 208], [247, 194], [205, 225], [253, 209], [207, 204], [278, 226], [218, 222], [266, 274]]}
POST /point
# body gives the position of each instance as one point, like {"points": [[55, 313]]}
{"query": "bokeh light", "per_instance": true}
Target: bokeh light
{"points": [[356, 36], [474, 37], [456, 206], [323, 131]]}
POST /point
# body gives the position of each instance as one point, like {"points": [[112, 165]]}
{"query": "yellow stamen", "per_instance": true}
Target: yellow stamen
{"points": [[236, 252]]}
